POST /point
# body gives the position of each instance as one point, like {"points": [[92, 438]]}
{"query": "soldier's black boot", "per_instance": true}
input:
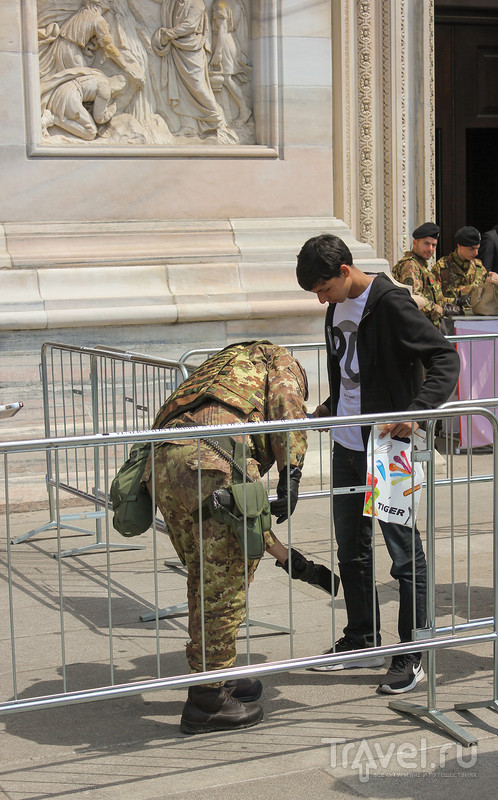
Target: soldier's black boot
{"points": [[244, 689], [214, 709], [309, 572]]}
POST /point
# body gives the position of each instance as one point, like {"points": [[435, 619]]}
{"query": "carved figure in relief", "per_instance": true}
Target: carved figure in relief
{"points": [[130, 32], [229, 67], [72, 44], [183, 44], [66, 98]]}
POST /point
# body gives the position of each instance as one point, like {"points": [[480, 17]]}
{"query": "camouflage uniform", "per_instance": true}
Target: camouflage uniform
{"points": [[249, 382], [414, 271], [458, 277]]}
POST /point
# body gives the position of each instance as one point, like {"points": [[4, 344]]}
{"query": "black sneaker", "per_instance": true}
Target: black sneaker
{"points": [[345, 645], [403, 674]]}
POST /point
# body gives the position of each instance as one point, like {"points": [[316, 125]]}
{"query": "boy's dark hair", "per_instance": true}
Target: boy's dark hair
{"points": [[320, 260]]}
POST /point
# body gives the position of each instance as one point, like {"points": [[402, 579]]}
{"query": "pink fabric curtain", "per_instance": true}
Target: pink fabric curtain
{"points": [[478, 377]]}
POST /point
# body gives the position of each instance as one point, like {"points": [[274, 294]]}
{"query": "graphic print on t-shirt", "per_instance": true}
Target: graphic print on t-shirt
{"points": [[347, 316], [346, 353]]}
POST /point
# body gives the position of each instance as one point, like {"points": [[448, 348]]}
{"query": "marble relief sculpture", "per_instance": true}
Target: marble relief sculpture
{"points": [[144, 72], [183, 44], [229, 68], [66, 97]]}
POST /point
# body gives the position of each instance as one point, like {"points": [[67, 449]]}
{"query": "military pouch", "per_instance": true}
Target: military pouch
{"points": [[233, 503], [131, 502]]}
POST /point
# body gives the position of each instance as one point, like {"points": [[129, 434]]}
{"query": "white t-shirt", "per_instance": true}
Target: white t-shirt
{"points": [[347, 316]]}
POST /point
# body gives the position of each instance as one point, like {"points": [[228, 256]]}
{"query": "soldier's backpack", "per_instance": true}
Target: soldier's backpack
{"points": [[131, 502]]}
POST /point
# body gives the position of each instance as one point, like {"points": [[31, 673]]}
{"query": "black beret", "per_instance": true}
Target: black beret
{"points": [[426, 229], [468, 236]]}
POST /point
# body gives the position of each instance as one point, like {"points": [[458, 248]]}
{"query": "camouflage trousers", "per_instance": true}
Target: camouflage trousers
{"points": [[217, 555]]}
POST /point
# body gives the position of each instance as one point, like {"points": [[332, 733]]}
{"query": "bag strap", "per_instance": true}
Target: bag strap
{"points": [[235, 462], [238, 449]]}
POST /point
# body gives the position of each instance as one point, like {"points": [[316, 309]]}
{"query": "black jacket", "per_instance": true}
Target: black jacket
{"points": [[396, 343], [488, 251]]}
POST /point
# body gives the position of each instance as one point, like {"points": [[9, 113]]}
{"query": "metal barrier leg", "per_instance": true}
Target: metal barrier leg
{"points": [[430, 712], [98, 547], [173, 611], [182, 608], [53, 525], [492, 704], [270, 625], [100, 544], [164, 613]]}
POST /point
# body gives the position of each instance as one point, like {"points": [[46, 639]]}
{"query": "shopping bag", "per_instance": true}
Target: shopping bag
{"points": [[394, 477]]}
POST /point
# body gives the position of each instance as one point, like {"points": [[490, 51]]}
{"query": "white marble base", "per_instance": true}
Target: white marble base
{"points": [[132, 273]]}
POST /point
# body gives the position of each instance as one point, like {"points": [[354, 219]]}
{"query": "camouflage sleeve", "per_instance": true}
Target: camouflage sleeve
{"points": [[285, 400], [396, 271], [448, 294], [433, 311], [409, 274], [480, 277], [433, 308], [436, 271], [436, 310]]}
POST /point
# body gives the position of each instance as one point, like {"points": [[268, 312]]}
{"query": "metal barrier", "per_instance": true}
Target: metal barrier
{"points": [[448, 627], [312, 356], [89, 390], [476, 382]]}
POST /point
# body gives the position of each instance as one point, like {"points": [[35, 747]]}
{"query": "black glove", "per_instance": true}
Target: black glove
{"points": [[463, 302], [309, 572], [452, 310], [279, 507]]}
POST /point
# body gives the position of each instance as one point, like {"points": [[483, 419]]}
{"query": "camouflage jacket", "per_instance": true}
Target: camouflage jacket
{"points": [[259, 381], [458, 277], [414, 271]]}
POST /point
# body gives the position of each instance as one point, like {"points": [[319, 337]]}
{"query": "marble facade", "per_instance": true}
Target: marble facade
{"points": [[125, 227]]}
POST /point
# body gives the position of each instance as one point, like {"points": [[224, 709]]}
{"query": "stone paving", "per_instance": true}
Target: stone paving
{"points": [[133, 745]]}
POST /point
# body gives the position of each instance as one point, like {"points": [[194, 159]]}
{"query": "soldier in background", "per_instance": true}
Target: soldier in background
{"points": [[460, 271], [413, 270], [246, 382]]}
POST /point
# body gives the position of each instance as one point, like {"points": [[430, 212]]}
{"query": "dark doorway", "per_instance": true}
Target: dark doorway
{"points": [[466, 104], [482, 177]]}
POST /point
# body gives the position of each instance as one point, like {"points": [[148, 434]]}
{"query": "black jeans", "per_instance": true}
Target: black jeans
{"points": [[353, 533]]}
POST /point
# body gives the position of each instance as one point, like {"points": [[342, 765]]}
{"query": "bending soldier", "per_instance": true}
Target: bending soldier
{"points": [[246, 382]]}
